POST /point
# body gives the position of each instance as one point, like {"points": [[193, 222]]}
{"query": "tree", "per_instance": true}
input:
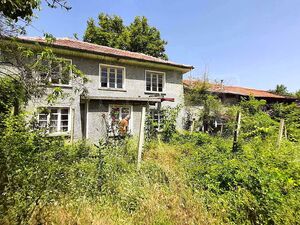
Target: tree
{"points": [[297, 94], [23, 9], [197, 94], [139, 36], [20, 66], [111, 32], [281, 90]]}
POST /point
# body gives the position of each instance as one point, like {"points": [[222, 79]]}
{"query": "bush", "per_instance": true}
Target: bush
{"points": [[253, 186], [38, 170]]}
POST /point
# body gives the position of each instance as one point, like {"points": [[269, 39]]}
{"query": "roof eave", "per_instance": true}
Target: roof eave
{"points": [[182, 68]]}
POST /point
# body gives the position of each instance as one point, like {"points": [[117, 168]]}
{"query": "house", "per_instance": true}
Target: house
{"points": [[229, 95], [234, 94], [120, 84]]}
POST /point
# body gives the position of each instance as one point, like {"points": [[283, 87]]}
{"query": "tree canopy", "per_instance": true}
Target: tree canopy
{"points": [[281, 90], [16, 9], [139, 36], [18, 82]]}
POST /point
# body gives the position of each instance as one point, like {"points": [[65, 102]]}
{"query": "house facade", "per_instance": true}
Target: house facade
{"points": [[119, 83]]}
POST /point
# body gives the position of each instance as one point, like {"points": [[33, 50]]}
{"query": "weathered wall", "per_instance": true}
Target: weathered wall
{"points": [[72, 101], [96, 127], [135, 86]]}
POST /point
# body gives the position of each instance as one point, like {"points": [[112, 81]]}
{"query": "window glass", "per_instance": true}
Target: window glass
{"points": [[148, 82], [43, 120], [125, 112], [54, 72], [160, 83], [64, 118], [112, 77], [115, 114], [157, 118], [43, 71], [65, 75], [154, 81], [103, 77], [118, 113], [119, 78], [55, 121]]}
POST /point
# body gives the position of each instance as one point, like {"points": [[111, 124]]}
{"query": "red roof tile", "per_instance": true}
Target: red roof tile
{"points": [[218, 88], [103, 50]]}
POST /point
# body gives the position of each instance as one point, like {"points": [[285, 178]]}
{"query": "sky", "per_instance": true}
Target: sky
{"points": [[250, 43]]}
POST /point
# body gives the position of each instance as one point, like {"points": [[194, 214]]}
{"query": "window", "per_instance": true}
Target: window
{"points": [[60, 74], [157, 117], [55, 72], [117, 113], [112, 76], [55, 120], [155, 81]]}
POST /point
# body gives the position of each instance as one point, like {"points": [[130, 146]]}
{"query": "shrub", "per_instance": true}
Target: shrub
{"points": [[39, 170], [253, 186]]}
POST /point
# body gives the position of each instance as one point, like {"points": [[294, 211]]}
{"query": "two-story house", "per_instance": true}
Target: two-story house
{"points": [[120, 84]]}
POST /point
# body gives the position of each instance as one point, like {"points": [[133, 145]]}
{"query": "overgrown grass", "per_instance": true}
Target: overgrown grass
{"points": [[194, 179], [155, 194]]}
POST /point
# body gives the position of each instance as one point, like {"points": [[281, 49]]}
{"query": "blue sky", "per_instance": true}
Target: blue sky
{"points": [[251, 43]]}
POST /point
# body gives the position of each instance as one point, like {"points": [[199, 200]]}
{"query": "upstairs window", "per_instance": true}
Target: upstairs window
{"points": [[155, 81], [55, 72], [55, 120], [112, 77], [60, 74]]}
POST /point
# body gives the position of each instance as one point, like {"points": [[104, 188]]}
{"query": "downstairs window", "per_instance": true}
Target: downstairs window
{"points": [[117, 113], [55, 120]]}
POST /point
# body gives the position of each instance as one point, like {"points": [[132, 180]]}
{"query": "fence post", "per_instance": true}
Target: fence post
{"points": [[141, 137], [192, 126], [285, 131], [280, 134], [236, 132]]}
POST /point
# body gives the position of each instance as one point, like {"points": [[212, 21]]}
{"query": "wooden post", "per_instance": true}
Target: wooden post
{"points": [[141, 137], [236, 132], [222, 127], [285, 131], [280, 134], [72, 124], [192, 126]]}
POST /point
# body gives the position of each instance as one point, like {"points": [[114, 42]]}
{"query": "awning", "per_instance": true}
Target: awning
{"points": [[133, 99]]}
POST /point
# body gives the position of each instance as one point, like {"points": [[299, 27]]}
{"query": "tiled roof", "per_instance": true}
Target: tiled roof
{"points": [[218, 88], [102, 50]]}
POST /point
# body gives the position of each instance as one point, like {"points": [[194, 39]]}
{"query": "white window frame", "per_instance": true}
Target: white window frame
{"points": [[160, 118], [71, 72], [108, 74], [163, 80], [123, 106], [58, 131], [60, 84]]}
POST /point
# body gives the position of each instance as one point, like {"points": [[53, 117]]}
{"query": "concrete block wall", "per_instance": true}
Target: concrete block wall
{"points": [[134, 87]]}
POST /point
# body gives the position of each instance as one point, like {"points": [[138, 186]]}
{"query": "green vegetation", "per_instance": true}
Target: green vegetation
{"points": [[23, 9], [192, 179], [139, 36]]}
